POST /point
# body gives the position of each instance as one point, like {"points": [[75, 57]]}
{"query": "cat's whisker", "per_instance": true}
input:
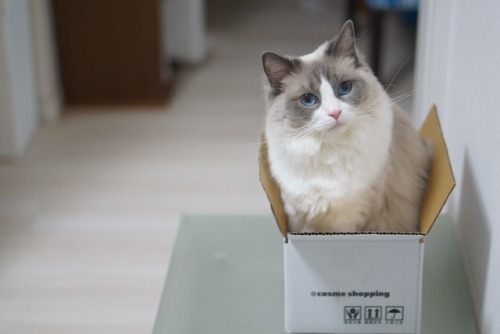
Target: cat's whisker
{"points": [[403, 96], [395, 75], [303, 131], [381, 102], [298, 133], [377, 105], [248, 144]]}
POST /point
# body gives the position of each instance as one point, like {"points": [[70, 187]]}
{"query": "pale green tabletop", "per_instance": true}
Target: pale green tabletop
{"points": [[226, 276]]}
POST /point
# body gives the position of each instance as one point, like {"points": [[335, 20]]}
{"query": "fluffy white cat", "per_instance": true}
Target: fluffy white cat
{"points": [[345, 157]]}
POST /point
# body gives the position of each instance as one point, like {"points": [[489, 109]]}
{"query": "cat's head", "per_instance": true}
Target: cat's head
{"points": [[327, 91]]}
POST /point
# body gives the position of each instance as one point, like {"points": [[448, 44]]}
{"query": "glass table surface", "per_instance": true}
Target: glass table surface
{"points": [[226, 276]]}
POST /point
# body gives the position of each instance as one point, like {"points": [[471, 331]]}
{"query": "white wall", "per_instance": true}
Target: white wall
{"points": [[49, 90], [184, 30], [458, 68], [6, 132], [18, 109]]}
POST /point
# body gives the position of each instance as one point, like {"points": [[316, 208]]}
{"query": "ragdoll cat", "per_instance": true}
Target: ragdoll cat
{"points": [[345, 157]]}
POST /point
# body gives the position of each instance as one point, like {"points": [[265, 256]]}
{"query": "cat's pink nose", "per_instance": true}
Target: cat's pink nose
{"points": [[335, 114]]}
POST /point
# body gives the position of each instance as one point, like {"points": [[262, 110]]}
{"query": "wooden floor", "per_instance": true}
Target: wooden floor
{"points": [[88, 218]]}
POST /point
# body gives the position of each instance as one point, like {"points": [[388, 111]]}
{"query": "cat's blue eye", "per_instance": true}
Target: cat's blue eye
{"points": [[308, 100], [344, 88]]}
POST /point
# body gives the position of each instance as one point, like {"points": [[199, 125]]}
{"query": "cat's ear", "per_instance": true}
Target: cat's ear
{"points": [[344, 45], [277, 68]]}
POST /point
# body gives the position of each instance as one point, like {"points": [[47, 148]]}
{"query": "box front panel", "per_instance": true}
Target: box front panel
{"points": [[353, 284]]}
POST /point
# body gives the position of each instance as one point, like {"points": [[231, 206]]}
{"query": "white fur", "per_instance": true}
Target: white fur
{"points": [[315, 55]]}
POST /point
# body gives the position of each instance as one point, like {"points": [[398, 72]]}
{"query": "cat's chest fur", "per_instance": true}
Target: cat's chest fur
{"points": [[323, 182]]}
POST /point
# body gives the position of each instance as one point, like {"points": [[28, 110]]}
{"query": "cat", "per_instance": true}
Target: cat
{"points": [[345, 156]]}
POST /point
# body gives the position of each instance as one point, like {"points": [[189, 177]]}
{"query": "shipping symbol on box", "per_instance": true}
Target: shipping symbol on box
{"points": [[373, 314], [352, 314], [394, 314], [359, 282]]}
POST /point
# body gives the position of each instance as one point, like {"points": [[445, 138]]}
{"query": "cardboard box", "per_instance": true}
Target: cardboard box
{"points": [[360, 282]]}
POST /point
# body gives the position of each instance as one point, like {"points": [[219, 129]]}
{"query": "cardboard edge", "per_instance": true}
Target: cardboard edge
{"points": [[355, 237], [271, 188], [420, 287], [441, 181]]}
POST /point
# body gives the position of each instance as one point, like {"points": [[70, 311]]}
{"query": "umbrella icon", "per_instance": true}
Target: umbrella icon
{"points": [[394, 313]]}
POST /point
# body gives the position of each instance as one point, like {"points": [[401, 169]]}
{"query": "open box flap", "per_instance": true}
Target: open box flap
{"points": [[441, 181], [271, 187]]}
